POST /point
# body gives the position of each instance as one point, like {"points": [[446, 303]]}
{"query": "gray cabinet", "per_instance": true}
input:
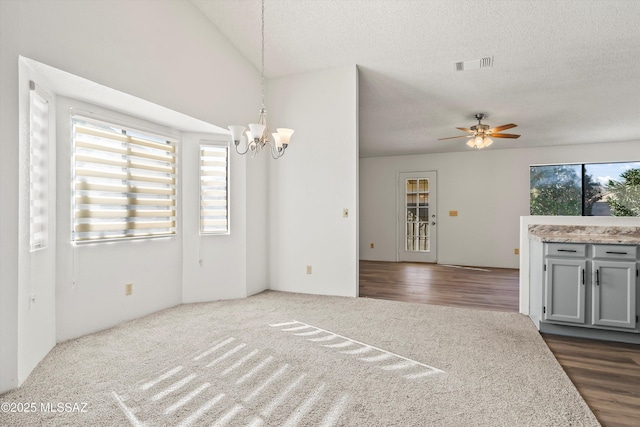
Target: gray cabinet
{"points": [[614, 294], [590, 286], [565, 290]]}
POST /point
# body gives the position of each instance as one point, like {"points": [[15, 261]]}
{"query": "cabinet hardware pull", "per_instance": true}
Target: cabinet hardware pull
{"points": [[583, 276], [598, 277], [616, 253], [567, 250]]}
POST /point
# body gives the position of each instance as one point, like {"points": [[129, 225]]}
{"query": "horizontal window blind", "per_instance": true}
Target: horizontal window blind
{"points": [[38, 169], [214, 190], [124, 182]]}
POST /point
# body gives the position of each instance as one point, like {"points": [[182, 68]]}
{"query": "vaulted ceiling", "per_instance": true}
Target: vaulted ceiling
{"points": [[567, 72]]}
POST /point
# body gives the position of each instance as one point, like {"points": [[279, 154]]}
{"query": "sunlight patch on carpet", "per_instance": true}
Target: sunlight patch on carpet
{"points": [[229, 383], [233, 382], [392, 361]]}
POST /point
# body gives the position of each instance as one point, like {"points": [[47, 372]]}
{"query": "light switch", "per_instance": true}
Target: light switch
{"points": [[345, 213]]}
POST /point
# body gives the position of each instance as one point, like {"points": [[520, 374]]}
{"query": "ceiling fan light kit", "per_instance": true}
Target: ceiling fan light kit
{"points": [[481, 134], [480, 142]]}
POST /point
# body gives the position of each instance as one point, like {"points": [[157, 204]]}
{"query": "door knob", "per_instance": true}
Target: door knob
{"points": [[433, 223]]}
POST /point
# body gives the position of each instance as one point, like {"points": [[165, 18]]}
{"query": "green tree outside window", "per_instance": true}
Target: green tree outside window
{"points": [[623, 197], [556, 190], [572, 190]]}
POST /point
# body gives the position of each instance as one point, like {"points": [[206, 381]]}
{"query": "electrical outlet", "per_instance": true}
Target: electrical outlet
{"points": [[516, 251], [373, 246], [308, 269], [128, 289]]}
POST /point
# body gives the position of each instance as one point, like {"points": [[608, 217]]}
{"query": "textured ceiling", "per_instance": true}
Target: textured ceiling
{"points": [[567, 72]]}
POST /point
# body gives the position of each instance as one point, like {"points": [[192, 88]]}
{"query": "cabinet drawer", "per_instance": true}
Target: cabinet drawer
{"points": [[614, 252], [566, 249]]}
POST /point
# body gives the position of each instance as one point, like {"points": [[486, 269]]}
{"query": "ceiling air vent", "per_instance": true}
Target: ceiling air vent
{"points": [[474, 64]]}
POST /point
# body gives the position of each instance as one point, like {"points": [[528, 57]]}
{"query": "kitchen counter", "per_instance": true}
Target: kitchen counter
{"points": [[585, 234]]}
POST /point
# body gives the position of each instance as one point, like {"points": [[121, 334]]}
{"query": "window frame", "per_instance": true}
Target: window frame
{"points": [[170, 136], [216, 144], [583, 183], [42, 171]]}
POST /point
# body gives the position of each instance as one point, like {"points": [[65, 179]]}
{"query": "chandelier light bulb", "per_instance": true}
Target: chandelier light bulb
{"points": [[257, 130], [277, 140], [236, 133], [285, 134]]}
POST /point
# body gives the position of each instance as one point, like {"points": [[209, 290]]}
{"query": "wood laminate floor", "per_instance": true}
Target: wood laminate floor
{"points": [[606, 374]]}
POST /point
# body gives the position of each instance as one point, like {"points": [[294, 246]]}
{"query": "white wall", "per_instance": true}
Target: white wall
{"points": [[162, 51], [489, 189], [314, 181], [222, 272], [91, 278], [257, 233], [36, 269], [9, 246]]}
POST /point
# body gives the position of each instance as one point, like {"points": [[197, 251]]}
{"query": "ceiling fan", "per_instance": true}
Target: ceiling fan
{"points": [[481, 134]]}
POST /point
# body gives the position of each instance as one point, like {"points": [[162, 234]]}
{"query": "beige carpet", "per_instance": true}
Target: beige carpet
{"points": [[279, 359]]}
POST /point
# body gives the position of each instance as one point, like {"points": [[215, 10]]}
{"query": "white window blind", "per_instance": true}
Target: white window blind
{"points": [[214, 189], [124, 182], [38, 169]]}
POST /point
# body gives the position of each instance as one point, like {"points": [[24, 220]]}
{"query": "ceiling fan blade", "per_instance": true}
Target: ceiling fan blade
{"points": [[465, 130], [503, 127], [504, 135], [453, 137]]}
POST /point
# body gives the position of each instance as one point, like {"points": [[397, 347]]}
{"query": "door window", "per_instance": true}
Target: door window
{"points": [[417, 231]]}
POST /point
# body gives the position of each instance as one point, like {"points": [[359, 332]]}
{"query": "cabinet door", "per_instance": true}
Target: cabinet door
{"points": [[614, 294], [564, 290]]}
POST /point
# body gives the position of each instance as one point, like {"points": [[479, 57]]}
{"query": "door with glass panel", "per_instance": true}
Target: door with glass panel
{"points": [[417, 216]]}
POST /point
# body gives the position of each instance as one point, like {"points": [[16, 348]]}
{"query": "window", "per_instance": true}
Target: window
{"points": [[214, 189], [417, 210], [124, 182], [556, 190], [38, 168], [592, 189]]}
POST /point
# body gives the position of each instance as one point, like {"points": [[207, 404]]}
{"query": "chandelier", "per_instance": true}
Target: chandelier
{"points": [[257, 137]]}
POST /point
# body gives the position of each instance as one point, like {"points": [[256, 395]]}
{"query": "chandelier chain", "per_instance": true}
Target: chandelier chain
{"points": [[262, 59]]}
